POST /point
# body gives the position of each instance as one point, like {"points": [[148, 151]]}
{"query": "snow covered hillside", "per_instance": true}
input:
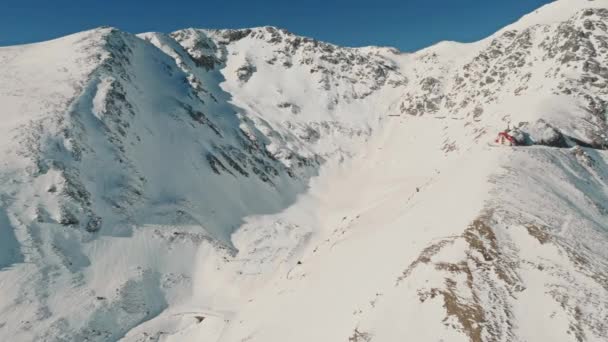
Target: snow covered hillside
{"points": [[255, 185]]}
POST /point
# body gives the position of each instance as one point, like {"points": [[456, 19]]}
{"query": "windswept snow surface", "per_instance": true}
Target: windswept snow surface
{"points": [[254, 185]]}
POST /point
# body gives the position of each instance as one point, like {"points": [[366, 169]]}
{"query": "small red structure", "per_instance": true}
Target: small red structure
{"points": [[504, 136]]}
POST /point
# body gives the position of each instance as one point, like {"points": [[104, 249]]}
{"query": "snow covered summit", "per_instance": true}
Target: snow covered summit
{"points": [[255, 185]]}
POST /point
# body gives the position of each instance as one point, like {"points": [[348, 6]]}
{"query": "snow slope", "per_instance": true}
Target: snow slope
{"points": [[254, 185]]}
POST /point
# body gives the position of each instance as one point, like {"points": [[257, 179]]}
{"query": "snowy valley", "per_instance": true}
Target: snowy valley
{"points": [[255, 185]]}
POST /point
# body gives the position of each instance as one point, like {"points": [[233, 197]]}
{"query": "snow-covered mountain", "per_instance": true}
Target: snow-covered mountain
{"points": [[255, 185]]}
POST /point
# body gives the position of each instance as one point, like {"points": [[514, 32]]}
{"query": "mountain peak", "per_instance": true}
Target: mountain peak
{"points": [[224, 185], [557, 12]]}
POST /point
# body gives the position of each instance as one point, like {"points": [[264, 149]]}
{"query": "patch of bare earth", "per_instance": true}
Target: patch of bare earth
{"points": [[425, 257], [538, 233], [477, 287], [360, 336]]}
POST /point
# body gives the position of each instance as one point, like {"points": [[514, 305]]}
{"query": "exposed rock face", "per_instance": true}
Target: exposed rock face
{"points": [[245, 72], [562, 59], [539, 133]]}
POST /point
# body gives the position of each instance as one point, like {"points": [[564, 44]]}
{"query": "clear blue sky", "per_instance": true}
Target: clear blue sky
{"points": [[406, 24]]}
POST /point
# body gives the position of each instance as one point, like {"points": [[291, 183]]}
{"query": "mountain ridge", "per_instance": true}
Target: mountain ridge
{"points": [[251, 184]]}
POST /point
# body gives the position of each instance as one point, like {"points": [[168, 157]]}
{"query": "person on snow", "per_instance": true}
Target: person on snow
{"points": [[504, 137]]}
